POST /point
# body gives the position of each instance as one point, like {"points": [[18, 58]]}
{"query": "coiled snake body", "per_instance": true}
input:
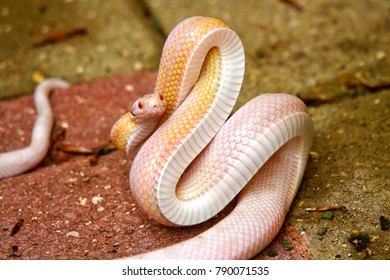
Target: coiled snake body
{"points": [[196, 162]]}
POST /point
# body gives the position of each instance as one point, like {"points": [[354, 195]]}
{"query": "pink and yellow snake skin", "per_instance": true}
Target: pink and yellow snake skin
{"points": [[196, 162]]}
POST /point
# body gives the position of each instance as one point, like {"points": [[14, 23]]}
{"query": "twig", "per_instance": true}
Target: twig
{"points": [[60, 36], [325, 208], [17, 227], [293, 4]]}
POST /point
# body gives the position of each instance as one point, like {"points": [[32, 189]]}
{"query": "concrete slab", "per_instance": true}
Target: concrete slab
{"points": [[297, 51], [349, 167], [90, 39]]}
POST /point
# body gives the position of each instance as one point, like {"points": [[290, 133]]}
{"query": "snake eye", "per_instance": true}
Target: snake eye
{"points": [[161, 97], [140, 105]]}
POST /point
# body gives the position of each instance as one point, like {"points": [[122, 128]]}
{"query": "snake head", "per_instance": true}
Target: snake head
{"points": [[145, 114], [149, 107]]}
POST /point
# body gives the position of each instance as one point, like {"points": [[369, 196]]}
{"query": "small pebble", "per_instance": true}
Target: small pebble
{"points": [[37, 76], [138, 65], [71, 180], [314, 155], [82, 201], [96, 199], [73, 233], [380, 55], [129, 87], [340, 131], [79, 69]]}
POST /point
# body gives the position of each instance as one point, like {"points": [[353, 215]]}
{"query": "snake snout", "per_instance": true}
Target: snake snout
{"points": [[148, 107]]}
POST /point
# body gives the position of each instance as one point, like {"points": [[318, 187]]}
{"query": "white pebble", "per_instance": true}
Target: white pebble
{"points": [[129, 87], [72, 233], [82, 201], [96, 199]]}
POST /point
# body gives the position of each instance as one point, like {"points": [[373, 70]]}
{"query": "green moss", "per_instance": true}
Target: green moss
{"points": [[385, 223], [260, 53], [287, 246], [327, 215], [322, 230], [359, 240], [272, 253]]}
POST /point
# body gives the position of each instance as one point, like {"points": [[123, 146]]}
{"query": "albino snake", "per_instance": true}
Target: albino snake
{"points": [[19, 161], [196, 162]]}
